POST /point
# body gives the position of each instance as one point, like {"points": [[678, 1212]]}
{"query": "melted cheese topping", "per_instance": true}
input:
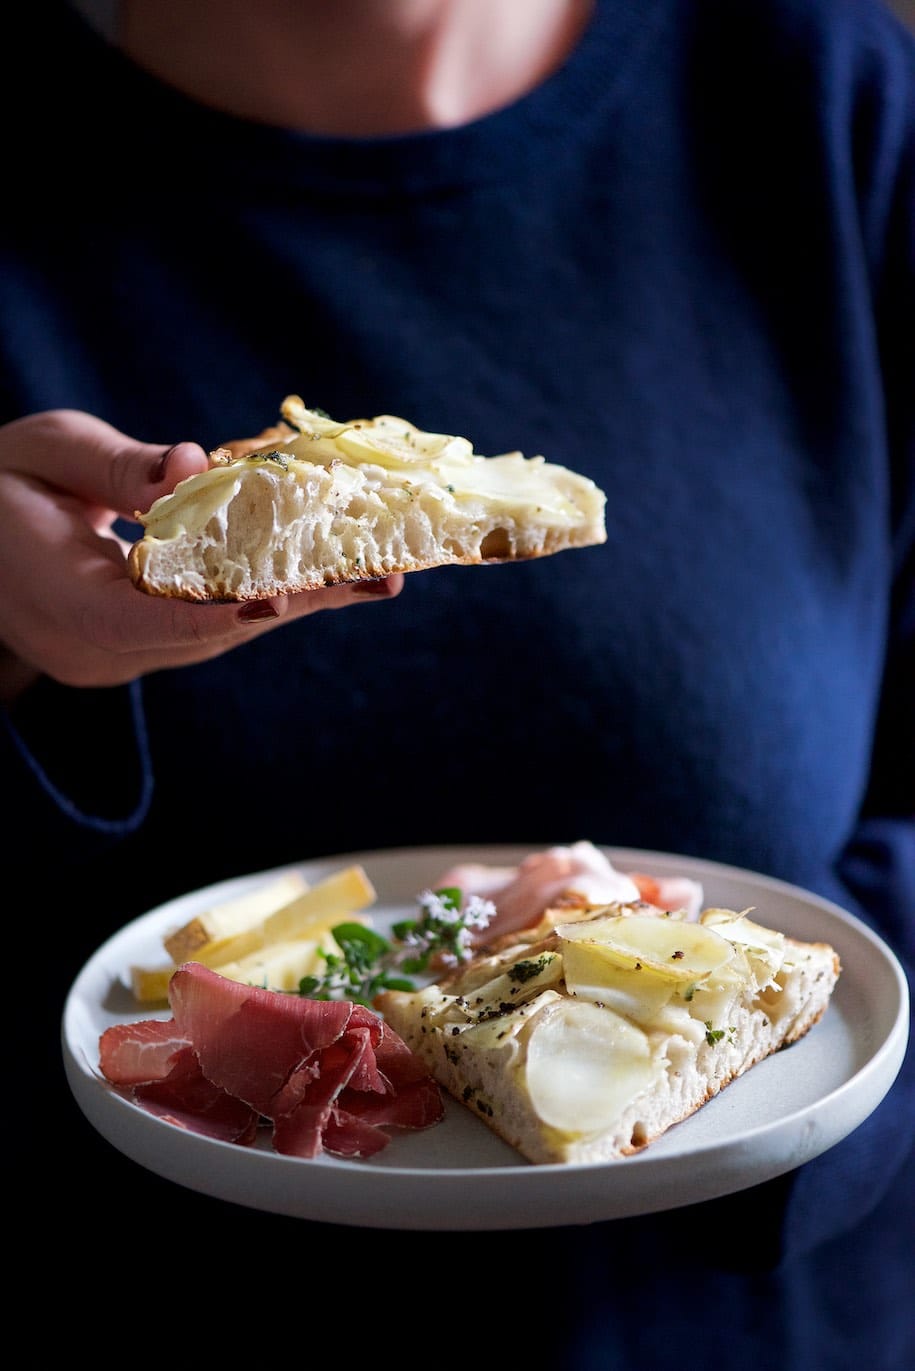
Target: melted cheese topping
{"points": [[382, 453]]}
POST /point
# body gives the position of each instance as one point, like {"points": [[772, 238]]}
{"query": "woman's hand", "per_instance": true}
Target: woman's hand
{"points": [[68, 608]]}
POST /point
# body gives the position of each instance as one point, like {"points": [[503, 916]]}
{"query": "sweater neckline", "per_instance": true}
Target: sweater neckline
{"points": [[498, 146]]}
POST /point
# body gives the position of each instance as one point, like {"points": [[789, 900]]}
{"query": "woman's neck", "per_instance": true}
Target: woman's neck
{"points": [[353, 68]]}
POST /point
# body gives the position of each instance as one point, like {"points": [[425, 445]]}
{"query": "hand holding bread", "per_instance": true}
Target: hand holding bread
{"points": [[66, 478]]}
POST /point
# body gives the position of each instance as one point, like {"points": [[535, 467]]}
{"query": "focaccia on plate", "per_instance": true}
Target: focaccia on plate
{"points": [[589, 1044], [311, 502]]}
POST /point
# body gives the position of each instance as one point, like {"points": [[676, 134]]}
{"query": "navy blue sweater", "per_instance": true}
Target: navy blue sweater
{"points": [[683, 266]]}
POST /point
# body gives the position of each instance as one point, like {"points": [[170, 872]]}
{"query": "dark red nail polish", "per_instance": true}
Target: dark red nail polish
{"points": [[379, 587], [255, 610], [159, 468]]}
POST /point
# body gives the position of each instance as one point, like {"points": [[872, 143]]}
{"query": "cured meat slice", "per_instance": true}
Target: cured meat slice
{"points": [[411, 1099], [328, 1075], [192, 1102], [159, 1069], [249, 1040], [579, 874], [521, 894], [147, 1051], [348, 1135]]}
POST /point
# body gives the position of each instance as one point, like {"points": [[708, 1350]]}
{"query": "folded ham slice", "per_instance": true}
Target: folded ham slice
{"points": [[579, 874], [328, 1075]]}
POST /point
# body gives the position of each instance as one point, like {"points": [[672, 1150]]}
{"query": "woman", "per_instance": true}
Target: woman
{"points": [[666, 245]]}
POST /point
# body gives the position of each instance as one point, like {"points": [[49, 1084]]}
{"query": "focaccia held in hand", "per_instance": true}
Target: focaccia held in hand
{"points": [[312, 503]]}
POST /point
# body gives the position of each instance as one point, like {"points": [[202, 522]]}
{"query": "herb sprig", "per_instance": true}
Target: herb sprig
{"points": [[368, 963]]}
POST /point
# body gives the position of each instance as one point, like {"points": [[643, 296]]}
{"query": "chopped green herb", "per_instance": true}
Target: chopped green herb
{"points": [[358, 972], [280, 458], [528, 969]]}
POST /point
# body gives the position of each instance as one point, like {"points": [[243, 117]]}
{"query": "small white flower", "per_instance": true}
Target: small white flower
{"points": [[436, 909], [478, 912]]}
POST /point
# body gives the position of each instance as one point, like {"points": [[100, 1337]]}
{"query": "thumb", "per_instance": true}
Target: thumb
{"points": [[161, 471], [90, 459]]}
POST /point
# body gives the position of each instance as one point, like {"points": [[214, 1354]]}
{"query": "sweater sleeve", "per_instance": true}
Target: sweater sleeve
{"points": [[873, 104], [878, 864]]}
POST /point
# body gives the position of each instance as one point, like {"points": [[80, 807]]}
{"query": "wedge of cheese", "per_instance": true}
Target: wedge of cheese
{"points": [[264, 935], [312, 502], [588, 1045], [233, 931], [229, 918], [281, 965]]}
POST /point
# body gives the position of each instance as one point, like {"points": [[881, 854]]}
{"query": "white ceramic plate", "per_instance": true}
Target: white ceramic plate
{"points": [[458, 1175]]}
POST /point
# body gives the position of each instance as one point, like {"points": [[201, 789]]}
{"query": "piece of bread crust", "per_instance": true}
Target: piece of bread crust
{"points": [[485, 1066], [275, 435], [314, 503]]}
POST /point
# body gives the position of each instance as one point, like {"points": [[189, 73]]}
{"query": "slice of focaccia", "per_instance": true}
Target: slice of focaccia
{"points": [[588, 1045], [312, 503]]}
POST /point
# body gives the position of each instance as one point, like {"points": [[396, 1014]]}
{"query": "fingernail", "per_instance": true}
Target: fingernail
{"points": [[256, 610], [380, 587], [159, 469]]}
